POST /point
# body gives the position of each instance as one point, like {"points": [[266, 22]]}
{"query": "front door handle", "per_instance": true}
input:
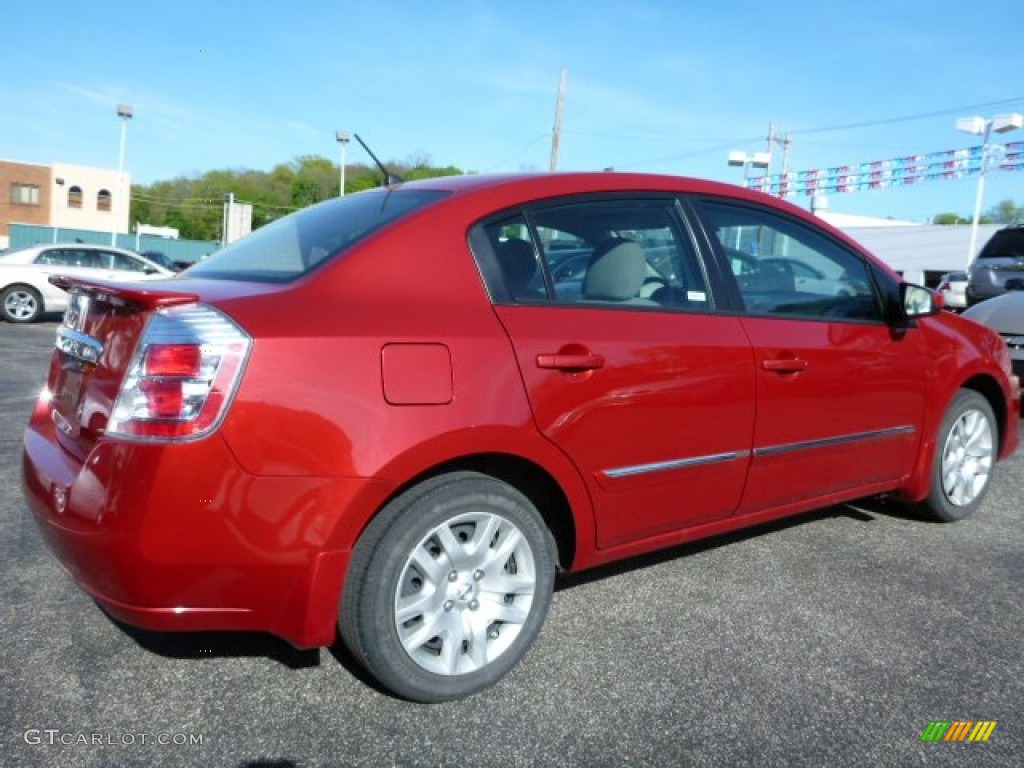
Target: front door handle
{"points": [[785, 365], [582, 361]]}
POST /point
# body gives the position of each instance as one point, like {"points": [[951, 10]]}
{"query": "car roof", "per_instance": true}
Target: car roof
{"points": [[561, 183], [496, 191], [81, 246], [519, 188]]}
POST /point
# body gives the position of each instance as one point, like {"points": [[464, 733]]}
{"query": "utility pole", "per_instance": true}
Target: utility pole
{"points": [[229, 204], [556, 138], [774, 139]]}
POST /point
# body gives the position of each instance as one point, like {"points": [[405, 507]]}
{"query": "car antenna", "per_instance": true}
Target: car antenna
{"points": [[390, 178]]}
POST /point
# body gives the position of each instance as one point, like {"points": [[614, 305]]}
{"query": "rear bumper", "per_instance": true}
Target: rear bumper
{"points": [[179, 537]]}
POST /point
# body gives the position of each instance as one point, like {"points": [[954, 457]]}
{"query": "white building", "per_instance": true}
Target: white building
{"points": [[921, 252], [90, 198]]}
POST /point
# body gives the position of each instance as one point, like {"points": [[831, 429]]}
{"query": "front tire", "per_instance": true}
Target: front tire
{"points": [[965, 455], [21, 304], [448, 587]]}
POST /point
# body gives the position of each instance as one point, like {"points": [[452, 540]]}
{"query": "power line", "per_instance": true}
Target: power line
{"points": [[909, 118]]}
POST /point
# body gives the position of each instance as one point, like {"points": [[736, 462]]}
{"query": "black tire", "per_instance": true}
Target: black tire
{"points": [[443, 555], [966, 447], [21, 304]]}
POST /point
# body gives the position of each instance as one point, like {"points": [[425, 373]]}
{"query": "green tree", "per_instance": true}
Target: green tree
{"points": [[195, 205], [1006, 212], [949, 219]]}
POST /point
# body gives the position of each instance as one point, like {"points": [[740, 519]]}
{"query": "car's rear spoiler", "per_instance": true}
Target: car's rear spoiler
{"points": [[143, 295]]}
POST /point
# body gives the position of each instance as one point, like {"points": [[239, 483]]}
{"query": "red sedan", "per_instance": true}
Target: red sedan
{"points": [[397, 414]]}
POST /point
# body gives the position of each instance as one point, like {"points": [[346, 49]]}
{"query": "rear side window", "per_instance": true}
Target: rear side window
{"points": [[68, 257], [622, 252], [296, 244]]}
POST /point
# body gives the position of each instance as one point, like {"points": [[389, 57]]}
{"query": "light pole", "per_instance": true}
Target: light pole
{"points": [[124, 111], [56, 207], [748, 161], [343, 137], [756, 160], [979, 126]]}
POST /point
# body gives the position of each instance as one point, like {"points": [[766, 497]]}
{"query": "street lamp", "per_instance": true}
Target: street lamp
{"points": [[755, 160], [979, 126], [343, 137], [748, 161], [125, 112], [56, 207]]}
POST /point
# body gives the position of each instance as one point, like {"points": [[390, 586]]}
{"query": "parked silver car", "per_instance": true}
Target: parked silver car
{"points": [[25, 289], [1005, 315]]}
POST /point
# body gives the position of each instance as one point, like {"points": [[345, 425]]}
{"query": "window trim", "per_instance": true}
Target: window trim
{"points": [[681, 224], [870, 269], [32, 191]]}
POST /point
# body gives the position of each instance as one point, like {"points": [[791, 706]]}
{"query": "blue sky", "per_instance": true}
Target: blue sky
{"points": [[657, 86]]}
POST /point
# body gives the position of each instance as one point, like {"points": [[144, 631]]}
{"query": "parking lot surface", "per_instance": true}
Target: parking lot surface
{"points": [[833, 638]]}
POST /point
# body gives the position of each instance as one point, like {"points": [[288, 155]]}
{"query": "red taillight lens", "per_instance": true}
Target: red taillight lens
{"points": [[183, 375], [173, 360], [164, 399]]}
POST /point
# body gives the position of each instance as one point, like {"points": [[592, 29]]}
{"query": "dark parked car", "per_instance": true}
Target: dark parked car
{"points": [[165, 261], [381, 417], [999, 266]]}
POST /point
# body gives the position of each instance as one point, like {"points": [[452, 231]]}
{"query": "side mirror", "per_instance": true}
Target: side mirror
{"points": [[919, 301]]}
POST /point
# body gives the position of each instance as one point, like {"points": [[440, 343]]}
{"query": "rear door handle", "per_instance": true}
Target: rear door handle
{"points": [[584, 361], [785, 365]]}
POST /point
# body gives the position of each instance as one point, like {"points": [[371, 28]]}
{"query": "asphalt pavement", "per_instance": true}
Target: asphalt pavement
{"points": [[834, 638]]}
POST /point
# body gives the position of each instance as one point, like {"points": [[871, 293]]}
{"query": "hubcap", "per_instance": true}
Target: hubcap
{"points": [[967, 458], [464, 593], [20, 305]]}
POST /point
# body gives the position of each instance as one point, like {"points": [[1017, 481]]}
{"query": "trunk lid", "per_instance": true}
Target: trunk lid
{"points": [[144, 361]]}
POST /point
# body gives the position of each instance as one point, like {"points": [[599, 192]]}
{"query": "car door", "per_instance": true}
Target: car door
{"points": [[628, 368], [840, 393]]}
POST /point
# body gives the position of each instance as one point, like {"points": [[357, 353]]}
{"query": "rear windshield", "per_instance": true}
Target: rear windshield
{"points": [[296, 244], [1005, 244]]}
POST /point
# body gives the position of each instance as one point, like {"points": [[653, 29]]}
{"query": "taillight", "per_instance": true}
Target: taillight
{"points": [[182, 376]]}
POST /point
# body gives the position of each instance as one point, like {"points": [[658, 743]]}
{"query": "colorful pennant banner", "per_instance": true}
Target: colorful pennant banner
{"points": [[900, 172]]}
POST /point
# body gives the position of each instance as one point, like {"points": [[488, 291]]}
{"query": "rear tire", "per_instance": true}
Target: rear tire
{"points": [[448, 587], [965, 455], [21, 304]]}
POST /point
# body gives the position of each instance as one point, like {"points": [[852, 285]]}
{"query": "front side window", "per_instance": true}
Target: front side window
{"points": [[121, 261], [784, 267], [613, 252]]}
